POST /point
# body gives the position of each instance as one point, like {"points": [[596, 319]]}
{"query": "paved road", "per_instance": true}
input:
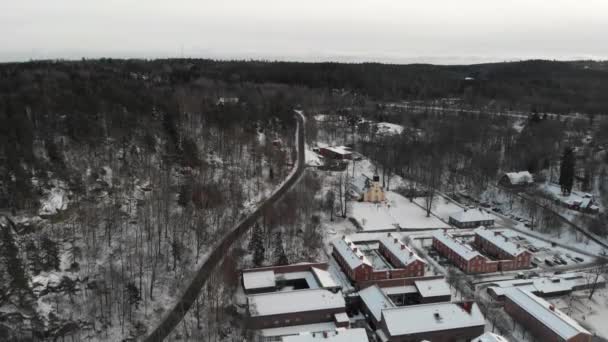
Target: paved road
{"points": [[176, 314]]}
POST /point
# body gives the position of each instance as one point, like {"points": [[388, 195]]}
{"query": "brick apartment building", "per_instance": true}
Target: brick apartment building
{"points": [[405, 263], [542, 319], [462, 255], [511, 254]]}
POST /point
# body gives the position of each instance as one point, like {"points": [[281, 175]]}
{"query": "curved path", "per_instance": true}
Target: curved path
{"points": [[176, 314]]}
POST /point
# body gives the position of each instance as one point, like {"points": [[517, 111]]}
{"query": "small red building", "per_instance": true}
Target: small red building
{"points": [[336, 152]]}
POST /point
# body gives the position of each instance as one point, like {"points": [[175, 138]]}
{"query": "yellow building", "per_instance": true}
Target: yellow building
{"points": [[373, 191]]}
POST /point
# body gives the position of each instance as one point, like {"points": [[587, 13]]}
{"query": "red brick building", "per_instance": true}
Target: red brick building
{"points": [[337, 152], [542, 319], [462, 255], [511, 254], [404, 262]]}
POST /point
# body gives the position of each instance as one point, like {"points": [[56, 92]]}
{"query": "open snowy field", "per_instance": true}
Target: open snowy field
{"points": [[591, 313], [397, 213], [442, 207]]}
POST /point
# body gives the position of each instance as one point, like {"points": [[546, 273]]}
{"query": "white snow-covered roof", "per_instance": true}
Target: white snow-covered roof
{"points": [[399, 290], [277, 303], [324, 278], [459, 248], [258, 279], [297, 329], [375, 300], [545, 285], [402, 252], [346, 249], [554, 319], [339, 149], [498, 239], [472, 215], [433, 288], [521, 177], [341, 317], [490, 337], [431, 317], [339, 335]]}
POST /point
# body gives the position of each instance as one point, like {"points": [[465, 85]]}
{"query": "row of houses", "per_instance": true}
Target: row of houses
{"points": [[505, 254]]}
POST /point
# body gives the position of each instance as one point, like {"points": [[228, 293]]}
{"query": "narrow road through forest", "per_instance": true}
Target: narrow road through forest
{"points": [[172, 319]]}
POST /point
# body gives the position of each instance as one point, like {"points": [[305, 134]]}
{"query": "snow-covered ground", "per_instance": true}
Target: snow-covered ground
{"points": [[396, 212], [56, 199], [591, 313], [312, 158], [554, 190], [442, 207]]}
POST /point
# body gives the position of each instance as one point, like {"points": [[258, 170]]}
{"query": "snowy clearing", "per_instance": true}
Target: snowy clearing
{"points": [[396, 213]]}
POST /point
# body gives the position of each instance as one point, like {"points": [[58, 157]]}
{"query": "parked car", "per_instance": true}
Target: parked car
{"points": [[579, 259], [548, 262]]}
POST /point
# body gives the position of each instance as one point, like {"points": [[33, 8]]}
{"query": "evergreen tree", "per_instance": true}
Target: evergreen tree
{"points": [[280, 258], [33, 256], [133, 294], [566, 174], [256, 245], [50, 251]]}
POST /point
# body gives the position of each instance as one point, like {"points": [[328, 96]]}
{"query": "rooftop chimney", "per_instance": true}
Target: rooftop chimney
{"points": [[552, 307], [402, 246], [355, 249], [395, 240], [467, 306], [360, 257], [325, 334], [389, 234], [411, 253]]}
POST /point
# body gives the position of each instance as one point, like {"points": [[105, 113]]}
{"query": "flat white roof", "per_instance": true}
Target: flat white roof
{"points": [[402, 252], [431, 317], [341, 317], [339, 149], [401, 289], [521, 177], [497, 238], [277, 303], [489, 337], [547, 285], [557, 321], [258, 279], [353, 259], [339, 335], [324, 278], [433, 288], [296, 329], [459, 248], [472, 215], [375, 300]]}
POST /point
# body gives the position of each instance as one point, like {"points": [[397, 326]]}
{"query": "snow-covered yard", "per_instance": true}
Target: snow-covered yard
{"points": [[396, 212], [442, 207], [592, 314]]}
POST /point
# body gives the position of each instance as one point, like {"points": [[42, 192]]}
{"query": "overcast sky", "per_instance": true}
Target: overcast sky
{"points": [[396, 31]]}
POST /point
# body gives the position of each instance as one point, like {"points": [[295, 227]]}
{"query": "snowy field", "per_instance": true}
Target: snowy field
{"points": [[442, 207], [592, 314], [397, 213]]}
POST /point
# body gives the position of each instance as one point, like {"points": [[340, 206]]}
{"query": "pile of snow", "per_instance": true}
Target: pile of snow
{"points": [[312, 158], [53, 201], [388, 128]]}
